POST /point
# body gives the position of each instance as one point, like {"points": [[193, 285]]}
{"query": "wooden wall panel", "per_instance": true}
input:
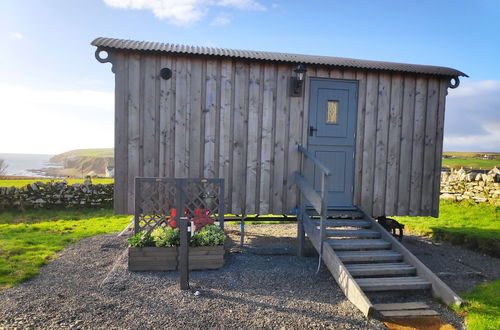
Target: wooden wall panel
{"points": [[133, 108], [197, 108], [381, 144], [226, 113], [121, 135], [280, 140], [417, 160], [167, 121], [443, 91], [240, 124], [268, 104], [148, 126], [209, 139], [360, 133], [394, 146], [406, 145], [370, 131], [429, 145], [253, 155], [235, 120]]}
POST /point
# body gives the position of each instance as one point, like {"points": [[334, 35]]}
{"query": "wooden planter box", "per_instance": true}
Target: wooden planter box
{"points": [[166, 258]]}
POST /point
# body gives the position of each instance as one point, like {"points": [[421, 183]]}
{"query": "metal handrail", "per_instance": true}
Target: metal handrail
{"points": [[315, 160], [322, 212]]}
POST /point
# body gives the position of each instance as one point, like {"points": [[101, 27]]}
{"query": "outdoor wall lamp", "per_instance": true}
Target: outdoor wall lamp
{"points": [[297, 82]]}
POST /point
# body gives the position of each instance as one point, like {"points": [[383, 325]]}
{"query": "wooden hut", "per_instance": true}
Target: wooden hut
{"points": [[373, 130], [184, 111]]}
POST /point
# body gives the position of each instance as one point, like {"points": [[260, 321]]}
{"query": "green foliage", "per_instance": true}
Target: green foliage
{"points": [[475, 226], [167, 237], [482, 308], [29, 240], [160, 237], [141, 239], [210, 235]]}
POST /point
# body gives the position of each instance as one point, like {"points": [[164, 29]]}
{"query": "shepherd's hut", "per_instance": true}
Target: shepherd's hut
{"points": [[186, 111], [291, 134]]}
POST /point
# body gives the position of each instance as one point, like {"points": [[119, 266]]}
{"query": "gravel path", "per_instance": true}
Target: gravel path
{"points": [[261, 286]]}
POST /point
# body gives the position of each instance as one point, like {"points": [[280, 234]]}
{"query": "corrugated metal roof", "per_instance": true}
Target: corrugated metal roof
{"points": [[271, 56]]}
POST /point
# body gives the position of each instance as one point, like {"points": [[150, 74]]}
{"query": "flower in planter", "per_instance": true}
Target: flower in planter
{"points": [[200, 219]]}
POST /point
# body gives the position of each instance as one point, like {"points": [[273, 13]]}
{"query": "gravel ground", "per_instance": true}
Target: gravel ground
{"points": [[261, 286]]}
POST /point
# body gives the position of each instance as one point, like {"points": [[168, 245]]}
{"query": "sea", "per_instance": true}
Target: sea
{"points": [[27, 164]]}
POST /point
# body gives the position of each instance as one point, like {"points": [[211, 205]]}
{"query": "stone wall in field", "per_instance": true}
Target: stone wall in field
{"points": [[458, 185], [57, 195]]}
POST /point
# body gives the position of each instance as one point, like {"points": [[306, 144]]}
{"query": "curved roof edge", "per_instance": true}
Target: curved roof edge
{"points": [[272, 56]]}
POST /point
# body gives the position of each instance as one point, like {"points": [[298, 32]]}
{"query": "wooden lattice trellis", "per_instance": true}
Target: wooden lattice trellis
{"points": [[161, 200]]}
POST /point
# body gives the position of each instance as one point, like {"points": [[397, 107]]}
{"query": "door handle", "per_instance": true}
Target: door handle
{"points": [[312, 130]]}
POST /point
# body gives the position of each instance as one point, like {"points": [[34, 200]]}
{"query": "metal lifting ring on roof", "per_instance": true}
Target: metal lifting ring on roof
{"points": [[106, 59], [455, 83]]}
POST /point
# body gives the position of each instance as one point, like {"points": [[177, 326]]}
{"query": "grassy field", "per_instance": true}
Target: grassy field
{"points": [[471, 160], [24, 182], [475, 226], [30, 239], [482, 310], [102, 152]]}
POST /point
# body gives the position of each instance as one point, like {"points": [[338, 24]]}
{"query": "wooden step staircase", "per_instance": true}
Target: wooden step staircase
{"points": [[363, 257]]}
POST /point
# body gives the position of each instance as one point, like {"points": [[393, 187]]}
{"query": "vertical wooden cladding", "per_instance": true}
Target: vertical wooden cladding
{"points": [[399, 141], [224, 118], [234, 119]]}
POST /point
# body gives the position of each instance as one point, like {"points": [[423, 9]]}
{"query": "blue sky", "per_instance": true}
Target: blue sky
{"points": [[54, 95]]}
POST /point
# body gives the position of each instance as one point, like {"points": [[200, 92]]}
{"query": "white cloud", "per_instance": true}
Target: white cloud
{"points": [[17, 35], [54, 121], [473, 117], [490, 141], [183, 12], [221, 19]]}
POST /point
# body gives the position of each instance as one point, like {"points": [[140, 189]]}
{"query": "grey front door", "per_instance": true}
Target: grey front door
{"points": [[332, 126]]}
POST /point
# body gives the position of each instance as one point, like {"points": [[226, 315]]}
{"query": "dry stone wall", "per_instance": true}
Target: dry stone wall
{"points": [[458, 185], [57, 195]]}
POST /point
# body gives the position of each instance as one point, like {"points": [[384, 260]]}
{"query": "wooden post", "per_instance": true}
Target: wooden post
{"points": [[242, 226], [323, 217], [184, 240], [301, 236]]}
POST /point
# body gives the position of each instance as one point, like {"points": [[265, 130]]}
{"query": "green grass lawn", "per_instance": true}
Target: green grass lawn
{"points": [[482, 308], [471, 160], [484, 164], [30, 239], [22, 183], [475, 226]]}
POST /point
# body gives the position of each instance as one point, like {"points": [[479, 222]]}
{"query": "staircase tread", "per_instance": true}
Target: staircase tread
{"points": [[352, 232], [409, 313], [401, 306], [390, 280], [344, 223], [369, 253], [353, 244], [387, 265]]}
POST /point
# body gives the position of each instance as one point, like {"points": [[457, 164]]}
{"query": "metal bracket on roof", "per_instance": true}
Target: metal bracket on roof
{"points": [[108, 59], [456, 82]]}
